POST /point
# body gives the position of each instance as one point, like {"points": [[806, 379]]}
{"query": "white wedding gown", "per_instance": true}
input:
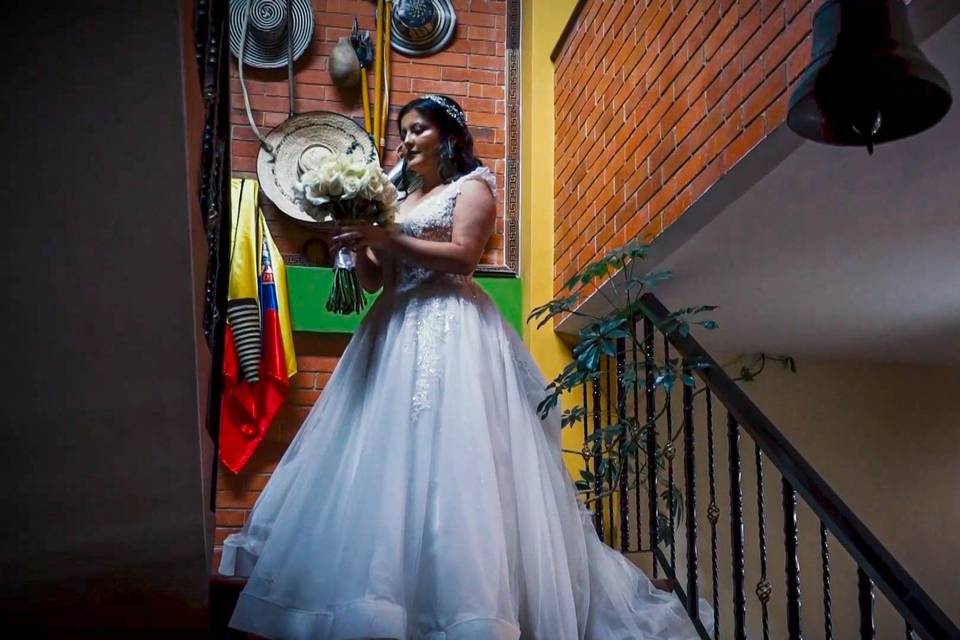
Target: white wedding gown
{"points": [[423, 498]]}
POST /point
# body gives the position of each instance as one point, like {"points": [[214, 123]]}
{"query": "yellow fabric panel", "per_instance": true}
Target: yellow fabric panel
{"points": [[248, 232], [244, 228]]}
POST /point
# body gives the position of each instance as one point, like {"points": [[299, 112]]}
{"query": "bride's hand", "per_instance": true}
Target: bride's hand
{"points": [[364, 235]]}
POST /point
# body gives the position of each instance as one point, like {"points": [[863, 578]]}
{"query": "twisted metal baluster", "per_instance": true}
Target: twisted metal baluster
{"points": [[690, 486], [827, 602], [868, 630], [713, 515], [586, 422], [624, 499], [636, 452], [597, 479], [764, 589], [669, 451], [736, 530], [791, 543], [609, 387], [651, 444]]}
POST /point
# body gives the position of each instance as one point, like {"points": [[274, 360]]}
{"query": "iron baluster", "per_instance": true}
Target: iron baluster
{"points": [[636, 451], [763, 586], [669, 451], [597, 455], [690, 482], [736, 530], [713, 515], [791, 542], [586, 422], [609, 467], [868, 630], [827, 603], [624, 466], [651, 439]]}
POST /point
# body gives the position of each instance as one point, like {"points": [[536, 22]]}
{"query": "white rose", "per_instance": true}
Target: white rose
{"points": [[351, 186], [308, 179], [374, 187], [333, 186]]}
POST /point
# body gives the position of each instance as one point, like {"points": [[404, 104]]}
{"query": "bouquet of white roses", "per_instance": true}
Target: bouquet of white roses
{"points": [[340, 188]]}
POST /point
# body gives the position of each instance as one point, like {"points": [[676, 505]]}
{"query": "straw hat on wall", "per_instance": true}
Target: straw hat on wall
{"points": [[300, 141]]}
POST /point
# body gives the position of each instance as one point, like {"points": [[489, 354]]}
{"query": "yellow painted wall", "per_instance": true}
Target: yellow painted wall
{"points": [[543, 21]]}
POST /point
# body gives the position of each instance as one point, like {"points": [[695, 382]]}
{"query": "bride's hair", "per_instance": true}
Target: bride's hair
{"points": [[456, 144]]}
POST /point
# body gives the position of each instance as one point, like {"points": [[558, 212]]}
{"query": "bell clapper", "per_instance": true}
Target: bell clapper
{"points": [[872, 134]]}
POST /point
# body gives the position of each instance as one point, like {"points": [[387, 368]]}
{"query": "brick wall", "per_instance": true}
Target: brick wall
{"points": [[471, 69], [654, 101]]}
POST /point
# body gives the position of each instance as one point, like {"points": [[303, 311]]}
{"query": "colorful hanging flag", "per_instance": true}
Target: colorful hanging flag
{"points": [[258, 357]]}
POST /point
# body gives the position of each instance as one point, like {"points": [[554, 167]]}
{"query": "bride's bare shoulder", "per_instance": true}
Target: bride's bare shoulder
{"points": [[475, 201]]}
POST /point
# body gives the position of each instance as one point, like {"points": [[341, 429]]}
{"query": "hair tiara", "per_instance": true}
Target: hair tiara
{"points": [[448, 106]]}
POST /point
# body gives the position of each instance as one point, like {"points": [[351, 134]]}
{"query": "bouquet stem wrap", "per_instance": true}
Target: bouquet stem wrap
{"points": [[346, 294]]}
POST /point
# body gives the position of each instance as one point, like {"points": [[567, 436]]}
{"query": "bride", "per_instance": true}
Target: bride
{"points": [[423, 498]]}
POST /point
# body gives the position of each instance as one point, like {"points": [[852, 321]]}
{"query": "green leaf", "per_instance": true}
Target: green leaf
{"points": [[630, 378], [572, 282], [665, 380], [552, 309], [611, 325], [608, 349], [547, 405], [663, 528], [572, 416], [649, 281]]}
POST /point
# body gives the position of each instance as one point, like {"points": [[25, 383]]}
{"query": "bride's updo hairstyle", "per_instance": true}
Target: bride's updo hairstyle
{"points": [[456, 143]]}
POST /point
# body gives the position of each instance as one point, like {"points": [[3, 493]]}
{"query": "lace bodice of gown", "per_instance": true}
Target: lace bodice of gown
{"points": [[432, 219]]}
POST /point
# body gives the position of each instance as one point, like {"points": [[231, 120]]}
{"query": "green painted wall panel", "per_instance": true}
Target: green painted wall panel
{"points": [[308, 288]]}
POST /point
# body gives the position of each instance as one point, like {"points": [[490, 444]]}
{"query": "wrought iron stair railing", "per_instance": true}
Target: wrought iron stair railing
{"points": [[636, 515]]}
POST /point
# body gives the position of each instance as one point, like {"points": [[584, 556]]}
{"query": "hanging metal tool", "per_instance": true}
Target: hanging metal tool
{"points": [[378, 75], [364, 50], [387, 47]]}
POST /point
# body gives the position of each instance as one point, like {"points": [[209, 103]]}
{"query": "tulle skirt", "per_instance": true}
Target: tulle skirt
{"points": [[424, 498]]}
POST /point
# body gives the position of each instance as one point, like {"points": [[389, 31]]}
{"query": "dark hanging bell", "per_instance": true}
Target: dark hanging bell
{"points": [[867, 81]]}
